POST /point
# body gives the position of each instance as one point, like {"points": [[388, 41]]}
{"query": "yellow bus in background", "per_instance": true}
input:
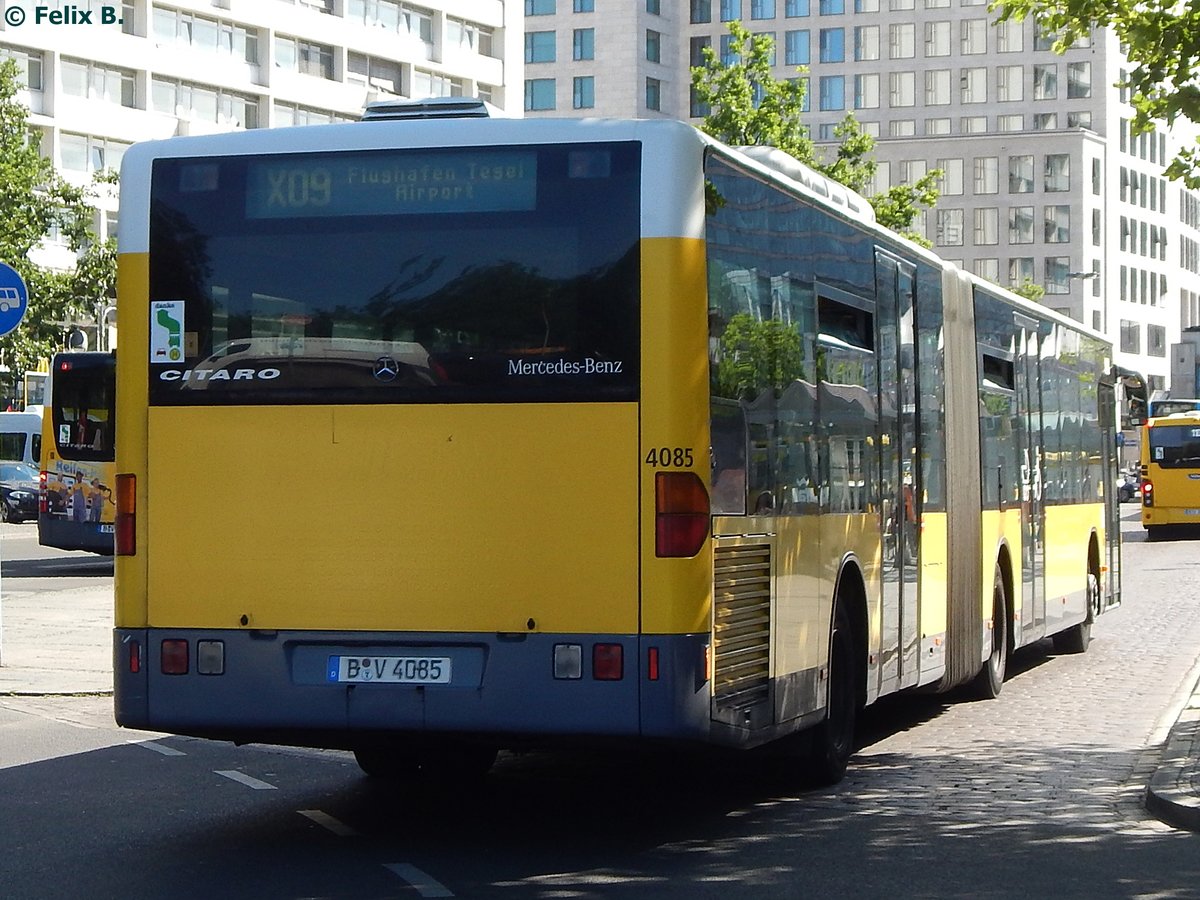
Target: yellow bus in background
{"points": [[451, 435], [76, 505], [1170, 472]]}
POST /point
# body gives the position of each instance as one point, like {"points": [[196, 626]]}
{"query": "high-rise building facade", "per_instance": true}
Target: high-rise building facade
{"points": [[179, 67], [1043, 181]]}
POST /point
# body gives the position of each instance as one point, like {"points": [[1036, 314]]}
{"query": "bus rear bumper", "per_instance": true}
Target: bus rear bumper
{"points": [[289, 687]]}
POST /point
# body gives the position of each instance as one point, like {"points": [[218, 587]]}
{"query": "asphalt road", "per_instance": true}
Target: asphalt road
{"points": [[1036, 794]]}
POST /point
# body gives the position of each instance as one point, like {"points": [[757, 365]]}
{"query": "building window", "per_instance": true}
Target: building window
{"points": [[1045, 82], [654, 7], [937, 38], [795, 47], [729, 56], [29, 66], [866, 6], [172, 26], [435, 84], [469, 36], [583, 43], [866, 91], [1081, 119], [1079, 80], [937, 87], [952, 176], [1096, 232], [696, 49], [1058, 172], [987, 226], [701, 12], [586, 6], [731, 10], [1010, 36], [653, 94], [1156, 340], [902, 41], [305, 57], [1020, 174], [402, 18], [902, 89], [833, 45], [1010, 84], [539, 7], [382, 74], [1131, 337], [866, 42], [972, 124], [902, 127], [94, 82], [796, 9], [832, 7], [540, 47], [539, 94], [285, 115], [1020, 270], [832, 89], [989, 269], [762, 9], [1045, 121], [974, 85], [1058, 224], [84, 153], [1020, 224], [973, 36], [583, 92], [1058, 279], [653, 46], [1013, 122], [949, 227], [987, 175]]}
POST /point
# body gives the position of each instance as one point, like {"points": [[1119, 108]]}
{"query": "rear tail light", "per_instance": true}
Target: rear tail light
{"points": [[608, 662], [125, 537], [681, 511], [43, 497], [174, 657], [135, 657], [652, 664], [1147, 494]]}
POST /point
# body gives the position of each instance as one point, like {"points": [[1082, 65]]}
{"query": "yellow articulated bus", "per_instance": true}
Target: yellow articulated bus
{"points": [[1170, 457], [445, 436], [76, 506]]}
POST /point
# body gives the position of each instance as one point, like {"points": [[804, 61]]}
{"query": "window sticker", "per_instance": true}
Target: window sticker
{"points": [[166, 331], [1158, 452]]}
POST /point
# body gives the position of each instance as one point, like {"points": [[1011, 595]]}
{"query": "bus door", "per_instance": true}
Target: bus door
{"points": [[899, 468], [1111, 588], [1028, 385]]}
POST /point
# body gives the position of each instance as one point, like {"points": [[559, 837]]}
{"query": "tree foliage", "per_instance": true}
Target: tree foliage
{"points": [[34, 200], [1162, 42], [749, 106]]}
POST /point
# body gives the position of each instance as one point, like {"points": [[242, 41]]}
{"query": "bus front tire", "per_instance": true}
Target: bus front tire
{"points": [[990, 679], [831, 743]]}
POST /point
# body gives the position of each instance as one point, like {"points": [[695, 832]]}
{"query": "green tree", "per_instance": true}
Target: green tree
{"points": [[34, 199], [749, 106], [1162, 42]]}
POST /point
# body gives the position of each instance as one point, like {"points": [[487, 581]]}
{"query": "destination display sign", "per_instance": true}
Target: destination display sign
{"points": [[385, 184]]}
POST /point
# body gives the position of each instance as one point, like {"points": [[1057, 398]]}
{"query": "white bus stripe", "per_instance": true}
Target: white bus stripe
{"points": [[426, 886], [159, 748], [327, 821], [246, 780]]}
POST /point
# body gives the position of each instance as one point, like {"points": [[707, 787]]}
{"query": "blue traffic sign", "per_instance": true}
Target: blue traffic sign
{"points": [[14, 298]]}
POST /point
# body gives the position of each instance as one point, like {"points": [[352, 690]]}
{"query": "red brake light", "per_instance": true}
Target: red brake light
{"points": [[1147, 494], [652, 664], [607, 662], [681, 511], [135, 657], [43, 497], [125, 537]]}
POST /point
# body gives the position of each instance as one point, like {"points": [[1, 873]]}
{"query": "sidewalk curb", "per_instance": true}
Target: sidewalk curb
{"points": [[1173, 794]]}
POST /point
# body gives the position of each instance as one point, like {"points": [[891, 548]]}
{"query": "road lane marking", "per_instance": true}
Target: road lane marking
{"points": [[158, 748], [327, 821], [249, 782], [425, 884]]}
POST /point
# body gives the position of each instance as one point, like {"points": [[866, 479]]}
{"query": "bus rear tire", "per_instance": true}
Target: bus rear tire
{"points": [[1077, 638], [990, 679]]}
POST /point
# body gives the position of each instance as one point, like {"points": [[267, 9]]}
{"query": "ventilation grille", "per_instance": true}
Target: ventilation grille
{"points": [[741, 625]]}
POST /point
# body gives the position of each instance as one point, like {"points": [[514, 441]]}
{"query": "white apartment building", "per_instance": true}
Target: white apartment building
{"points": [[178, 67], [1043, 180]]}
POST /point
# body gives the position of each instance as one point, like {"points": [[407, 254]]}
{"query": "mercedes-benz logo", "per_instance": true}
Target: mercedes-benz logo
{"points": [[386, 369]]}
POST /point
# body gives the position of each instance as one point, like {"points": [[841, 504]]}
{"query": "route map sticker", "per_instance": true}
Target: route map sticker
{"points": [[14, 298], [166, 331]]}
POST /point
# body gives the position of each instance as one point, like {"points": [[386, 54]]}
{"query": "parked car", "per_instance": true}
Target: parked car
{"points": [[18, 492], [1128, 487]]}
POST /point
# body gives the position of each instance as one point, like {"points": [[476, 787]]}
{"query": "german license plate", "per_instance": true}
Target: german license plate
{"points": [[390, 669]]}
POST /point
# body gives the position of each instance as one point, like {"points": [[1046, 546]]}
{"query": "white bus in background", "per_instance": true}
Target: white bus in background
{"points": [[21, 436]]}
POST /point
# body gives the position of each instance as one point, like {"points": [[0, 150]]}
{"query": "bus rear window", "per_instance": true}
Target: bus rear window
{"points": [[1175, 446], [503, 274], [82, 406]]}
